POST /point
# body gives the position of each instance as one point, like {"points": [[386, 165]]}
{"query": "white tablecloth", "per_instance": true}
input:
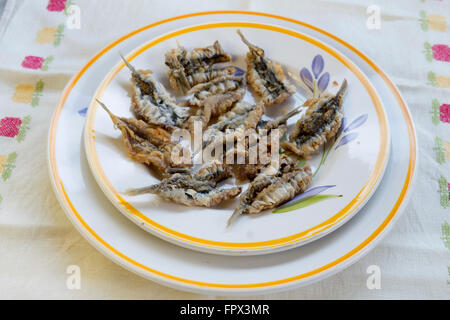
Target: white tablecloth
{"points": [[37, 241]]}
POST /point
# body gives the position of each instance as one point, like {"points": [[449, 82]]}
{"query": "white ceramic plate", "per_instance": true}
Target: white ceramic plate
{"points": [[354, 166], [120, 240]]}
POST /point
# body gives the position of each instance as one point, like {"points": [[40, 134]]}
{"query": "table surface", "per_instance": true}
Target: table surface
{"points": [[38, 244]]}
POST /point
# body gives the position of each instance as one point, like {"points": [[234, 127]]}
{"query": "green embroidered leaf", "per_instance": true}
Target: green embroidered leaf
{"points": [[444, 192], [305, 202], [435, 112], [432, 79], [23, 128], [59, 35], [446, 234], [46, 62], [7, 170], [39, 86]]}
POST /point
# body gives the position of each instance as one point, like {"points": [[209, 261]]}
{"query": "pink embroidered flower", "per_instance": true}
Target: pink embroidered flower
{"points": [[32, 62], [56, 5], [441, 52], [9, 127], [445, 112]]}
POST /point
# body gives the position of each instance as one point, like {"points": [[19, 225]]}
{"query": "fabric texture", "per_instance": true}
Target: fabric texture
{"points": [[39, 55]]}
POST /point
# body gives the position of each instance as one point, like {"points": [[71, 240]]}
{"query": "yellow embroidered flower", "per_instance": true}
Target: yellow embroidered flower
{"points": [[3, 160], [447, 149], [436, 22], [23, 93], [46, 35], [443, 81]]}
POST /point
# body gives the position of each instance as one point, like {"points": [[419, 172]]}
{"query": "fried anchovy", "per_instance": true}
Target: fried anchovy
{"points": [[266, 77], [145, 143], [189, 68], [190, 189], [152, 103], [250, 169], [217, 96], [272, 187], [242, 116], [320, 123]]}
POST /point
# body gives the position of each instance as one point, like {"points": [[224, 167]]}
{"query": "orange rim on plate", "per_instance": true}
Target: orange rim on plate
{"points": [[75, 216], [291, 240]]}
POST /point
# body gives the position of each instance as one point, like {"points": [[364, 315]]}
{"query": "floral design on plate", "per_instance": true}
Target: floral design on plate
{"points": [[316, 82]]}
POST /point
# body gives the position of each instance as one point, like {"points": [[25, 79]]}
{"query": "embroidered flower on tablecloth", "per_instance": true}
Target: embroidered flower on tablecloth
{"points": [[14, 127], [447, 149], [35, 62], [7, 164], [27, 93], [444, 111], [56, 5], [50, 35], [439, 52], [9, 127], [431, 21], [3, 161], [438, 80]]}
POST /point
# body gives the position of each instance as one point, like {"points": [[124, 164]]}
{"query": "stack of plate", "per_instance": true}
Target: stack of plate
{"points": [[365, 178]]}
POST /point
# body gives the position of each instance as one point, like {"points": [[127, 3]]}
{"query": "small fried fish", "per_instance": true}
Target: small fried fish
{"points": [[242, 116], [266, 77], [190, 189], [250, 169], [272, 187], [215, 97], [189, 68], [320, 123], [152, 103], [145, 143]]}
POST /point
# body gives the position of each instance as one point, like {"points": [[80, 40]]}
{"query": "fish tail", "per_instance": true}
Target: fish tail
{"points": [[113, 117], [129, 66], [254, 49], [342, 90], [237, 212], [138, 191], [290, 114]]}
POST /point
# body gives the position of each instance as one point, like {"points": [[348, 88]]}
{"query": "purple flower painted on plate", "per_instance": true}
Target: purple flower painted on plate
{"points": [[347, 139], [82, 112], [239, 72], [309, 193], [317, 65], [358, 122], [307, 78], [341, 128], [317, 83], [322, 84]]}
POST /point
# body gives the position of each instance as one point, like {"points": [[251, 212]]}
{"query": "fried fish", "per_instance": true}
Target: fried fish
{"points": [[275, 185], [152, 103], [266, 77], [146, 143], [320, 123], [189, 189], [251, 168], [189, 68], [215, 97]]}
